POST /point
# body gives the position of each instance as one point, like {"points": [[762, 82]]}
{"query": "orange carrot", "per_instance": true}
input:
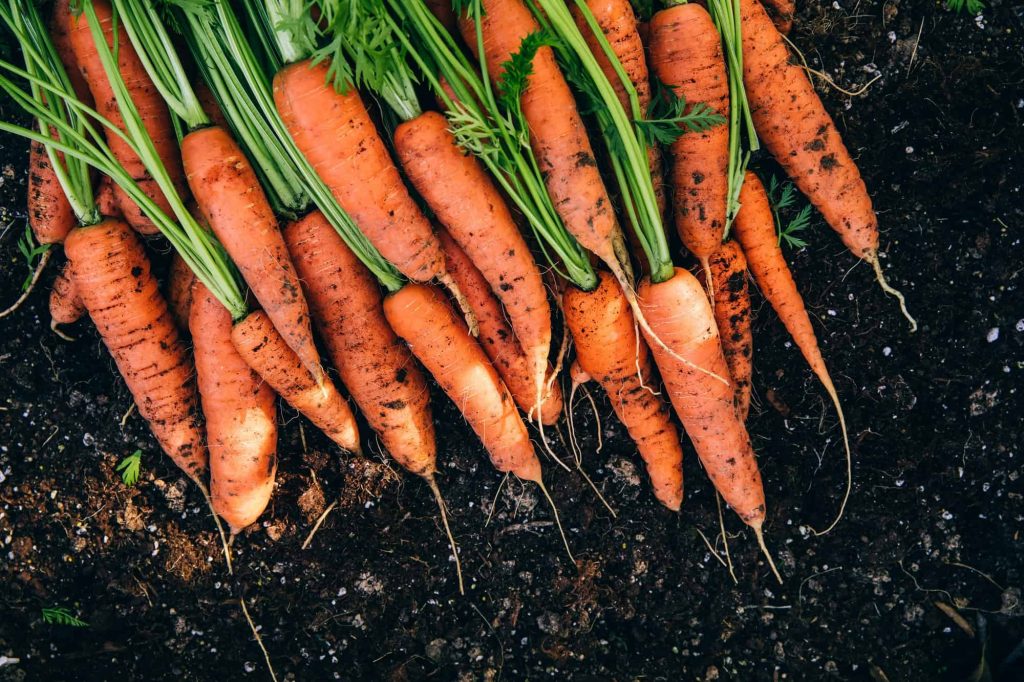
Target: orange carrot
{"points": [[497, 338], [152, 111], [113, 276], [230, 198], [66, 305], [680, 314], [373, 364], [732, 316], [557, 134], [468, 203], [241, 417], [49, 212], [619, 25], [755, 229], [59, 23], [442, 9], [782, 13], [179, 291], [686, 55], [106, 199], [335, 133], [422, 317], [262, 347], [793, 124], [610, 350]]}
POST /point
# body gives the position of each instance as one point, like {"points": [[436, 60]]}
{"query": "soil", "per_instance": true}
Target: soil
{"points": [[935, 517]]}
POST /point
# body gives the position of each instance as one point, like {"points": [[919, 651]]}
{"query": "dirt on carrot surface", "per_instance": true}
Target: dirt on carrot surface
{"points": [[921, 580]]}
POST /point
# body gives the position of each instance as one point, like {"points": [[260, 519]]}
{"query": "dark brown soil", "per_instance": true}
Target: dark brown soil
{"points": [[935, 517]]}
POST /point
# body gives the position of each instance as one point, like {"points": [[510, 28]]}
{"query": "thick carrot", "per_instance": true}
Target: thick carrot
{"points": [[423, 318], [335, 133], [679, 312], [610, 350], [180, 279], [66, 305], [755, 229], [151, 107], [557, 134], [59, 23], [229, 196], [113, 276], [498, 339], [241, 417], [468, 203], [49, 212], [732, 316], [686, 55], [263, 348], [619, 25], [373, 364], [793, 124], [782, 13]]}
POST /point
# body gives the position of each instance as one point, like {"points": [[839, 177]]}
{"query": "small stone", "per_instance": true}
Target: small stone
{"points": [[993, 335]]}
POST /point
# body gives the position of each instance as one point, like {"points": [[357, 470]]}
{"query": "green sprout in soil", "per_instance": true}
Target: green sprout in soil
{"points": [[60, 615], [129, 468], [32, 252], [972, 6], [783, 197]]}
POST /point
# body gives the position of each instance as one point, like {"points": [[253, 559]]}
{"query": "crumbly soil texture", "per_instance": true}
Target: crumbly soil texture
{"points": [[920, 581]]}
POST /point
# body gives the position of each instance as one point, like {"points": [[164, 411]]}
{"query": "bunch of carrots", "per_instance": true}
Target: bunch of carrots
{"points": [[521, 180]]}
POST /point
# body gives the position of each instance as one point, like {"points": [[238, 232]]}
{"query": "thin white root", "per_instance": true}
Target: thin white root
{"points": [[597, 418], [56, 330], [432, 482], [494, 502], [873, 259], [825, 77], [558, 521], [714, 552], [708, 279], [570, 412], [460, 300], [40, 266], [319, 522], [831, 390], [220, 528], [759, 532], [259, 640], [725, 539], [597, 492]]}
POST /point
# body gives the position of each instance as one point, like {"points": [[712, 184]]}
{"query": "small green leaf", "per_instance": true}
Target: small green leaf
{"points": [[60, 615], [668, 119], [972, 6], [129, 468], [517, 70]]}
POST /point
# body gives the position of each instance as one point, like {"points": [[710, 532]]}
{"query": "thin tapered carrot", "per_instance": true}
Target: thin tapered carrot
{"points": [[144, 94], [241, 416], [179, 291], [610, 350], [66, 305], [618, 22], [262, 347], [49, 212], [794, 126], [679, 312], [229, 196], [118, 289], [732, 315], [467, 202], [498, 339], [686, 55], [755, 230]]}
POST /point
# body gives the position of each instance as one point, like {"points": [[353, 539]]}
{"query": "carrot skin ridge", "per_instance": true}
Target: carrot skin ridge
{"points": [[732, 316], [66, 305]]}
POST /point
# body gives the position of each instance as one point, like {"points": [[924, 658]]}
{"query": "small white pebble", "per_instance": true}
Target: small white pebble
{"points": [[1019, 327], [891, 35], [993, 335], [887, 351], [910, 150]]}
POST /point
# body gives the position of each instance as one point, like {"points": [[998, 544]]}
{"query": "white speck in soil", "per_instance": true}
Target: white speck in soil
{"points": [[887, 351], [910, 150], [1019, 327], [993, 335]]}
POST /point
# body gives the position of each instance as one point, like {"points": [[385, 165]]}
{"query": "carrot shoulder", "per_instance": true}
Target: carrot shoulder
{"points": [[610, 350], [241, 416], [732, 316], [118, 289]]}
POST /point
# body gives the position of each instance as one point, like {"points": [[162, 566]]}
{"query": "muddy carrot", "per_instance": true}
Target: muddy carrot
{"points": [[66, 305], [732, 316], [180, 279], [49, 212]]}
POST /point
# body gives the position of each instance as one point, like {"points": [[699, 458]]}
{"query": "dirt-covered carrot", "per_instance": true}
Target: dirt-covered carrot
{"points": [[180, 279], [794, 126], [732, 316], [241, 416], [782, 13], [106, 198], [113, 277], [686, 55], [60, 22], [49, 212], [66, 305], [610, 350], [497, 338], [755, 230], [152, 110]]}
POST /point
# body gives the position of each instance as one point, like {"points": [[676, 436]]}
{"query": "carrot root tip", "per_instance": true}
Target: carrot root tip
{"points": [[558, 522], [895, 293], [442, 507], [55, 328], [759, 532]]}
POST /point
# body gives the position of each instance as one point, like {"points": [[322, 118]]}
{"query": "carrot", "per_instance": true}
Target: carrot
{"points": [[498, 340], [618, 22], [66, 305], [49, 212], [782, 13], [732, 316], [179, 291], [208, 102], [755, 230], [557, 134], [466, 200], [241, 417], [335, 133], [118, 289], [686, 55], [59, 23], [442, 9], [106, 199], [679, 312], [147, 99], [793, 124], [229, 195], [609, 349]]}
